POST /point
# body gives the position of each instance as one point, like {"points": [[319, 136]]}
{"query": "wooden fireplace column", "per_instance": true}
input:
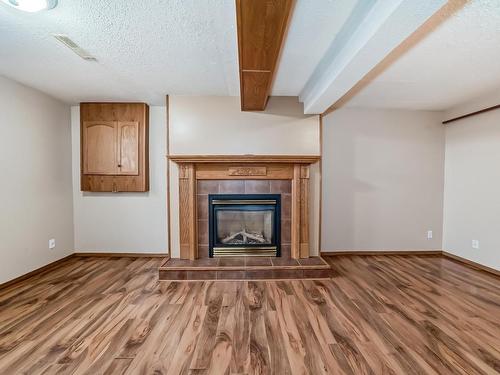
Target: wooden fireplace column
{"points": [[300, 211], [244, 167], [188, 211]]}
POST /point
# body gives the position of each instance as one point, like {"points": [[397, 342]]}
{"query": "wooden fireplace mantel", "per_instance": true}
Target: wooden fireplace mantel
{"points": [[243, 167], [300, 159]]}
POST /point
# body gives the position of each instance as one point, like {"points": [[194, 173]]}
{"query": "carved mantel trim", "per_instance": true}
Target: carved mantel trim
{"points": [[250, 167], [247, 171]]}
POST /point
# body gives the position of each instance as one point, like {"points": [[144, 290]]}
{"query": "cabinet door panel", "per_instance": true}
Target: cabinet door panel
{"points": [[128, 143], [99, 147]]}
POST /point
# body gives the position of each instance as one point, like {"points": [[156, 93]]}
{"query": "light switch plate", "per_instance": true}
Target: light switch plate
{"points": [[475, 244], [429, 234], [52, 243]]}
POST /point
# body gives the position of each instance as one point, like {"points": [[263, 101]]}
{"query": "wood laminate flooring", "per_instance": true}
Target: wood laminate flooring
{"points": [[377, 315]]}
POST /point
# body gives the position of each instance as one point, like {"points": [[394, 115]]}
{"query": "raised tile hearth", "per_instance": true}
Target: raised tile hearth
{"points": [[240, 268]]}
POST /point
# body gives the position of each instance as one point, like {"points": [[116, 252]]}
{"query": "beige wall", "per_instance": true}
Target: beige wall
{"points": [[207, 125], [215, 125], [136, 222], [472, 183], [123, 222], [35, 165], [382, 180]]}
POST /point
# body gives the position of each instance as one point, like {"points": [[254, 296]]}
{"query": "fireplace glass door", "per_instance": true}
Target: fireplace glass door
{"points": [[244, 224]]}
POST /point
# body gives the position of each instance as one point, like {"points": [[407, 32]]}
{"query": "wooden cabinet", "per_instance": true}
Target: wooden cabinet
{"points": [[110, 147], [99, 147], [128, 148], [114, 147]]}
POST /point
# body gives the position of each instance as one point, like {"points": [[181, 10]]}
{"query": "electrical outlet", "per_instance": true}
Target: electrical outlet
{"points": [[429, 234], [475, 244], [52, 243]]}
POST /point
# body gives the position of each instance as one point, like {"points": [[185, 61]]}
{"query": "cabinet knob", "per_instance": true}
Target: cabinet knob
{"points": [[119, 165]]}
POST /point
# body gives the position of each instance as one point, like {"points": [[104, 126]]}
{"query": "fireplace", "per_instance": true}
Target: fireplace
{"points": [[201, 175], [244, 224]]}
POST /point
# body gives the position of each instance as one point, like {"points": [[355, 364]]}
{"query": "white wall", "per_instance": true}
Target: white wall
{"points": [[210, 125], [123, 222], [35, 191], [382, 180], [472, 183]]}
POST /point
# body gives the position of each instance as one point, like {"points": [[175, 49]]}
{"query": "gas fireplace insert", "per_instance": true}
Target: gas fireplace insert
{"points": [[244, 224]]}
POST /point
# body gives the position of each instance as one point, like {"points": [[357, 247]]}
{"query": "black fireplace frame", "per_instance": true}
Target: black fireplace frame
{"points": [[212, 223]]}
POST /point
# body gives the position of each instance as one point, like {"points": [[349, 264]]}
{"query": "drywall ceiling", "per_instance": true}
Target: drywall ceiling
{"points": [[148, 49], [144, 49], [457, 59], [313, 27]]}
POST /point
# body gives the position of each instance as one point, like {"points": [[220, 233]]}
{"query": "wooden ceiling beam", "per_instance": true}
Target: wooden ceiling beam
{"points": [[262, 25]]}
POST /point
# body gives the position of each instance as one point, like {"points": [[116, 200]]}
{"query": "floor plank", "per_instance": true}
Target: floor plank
{"points": [[377, 315]]}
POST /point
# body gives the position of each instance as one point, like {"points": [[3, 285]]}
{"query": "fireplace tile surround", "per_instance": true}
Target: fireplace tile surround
{"points": [[243, 174], [205, 187]]}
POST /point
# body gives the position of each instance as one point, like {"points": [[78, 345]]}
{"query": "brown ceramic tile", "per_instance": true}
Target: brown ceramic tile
{"points": [[286, 251], [259, 274], [286, 231], [178, 263], [232, 262], [202, 206], [281, 187], [206, 262], [201, 275], [231, 275], [313, 261], [203, 232], [232, 187], [257, 187], [284, 262], [286, 206], [208, 187], [320, 274], [258, 261], [172, 275], [202, 251], [287, 274]]}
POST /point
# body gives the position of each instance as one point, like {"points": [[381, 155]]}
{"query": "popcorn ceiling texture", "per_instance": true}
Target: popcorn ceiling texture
{"points": [[457, 60], [189, 47], [148, 49], [375, 29], [144, 49]]}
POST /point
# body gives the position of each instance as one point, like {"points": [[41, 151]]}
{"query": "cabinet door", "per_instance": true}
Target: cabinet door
{"points": [[128, 148], [99, 147]]}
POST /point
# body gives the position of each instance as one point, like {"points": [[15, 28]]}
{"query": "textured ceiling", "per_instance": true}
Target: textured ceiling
{"points": [[148, 49], [144, 49], [457, 60], [188, 47]]}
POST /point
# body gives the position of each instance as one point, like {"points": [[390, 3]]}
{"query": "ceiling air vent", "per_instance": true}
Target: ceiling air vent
{"points": [[64, 39]]}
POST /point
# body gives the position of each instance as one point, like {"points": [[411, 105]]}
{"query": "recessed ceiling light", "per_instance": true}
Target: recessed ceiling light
{"points": [[31, 5]]}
